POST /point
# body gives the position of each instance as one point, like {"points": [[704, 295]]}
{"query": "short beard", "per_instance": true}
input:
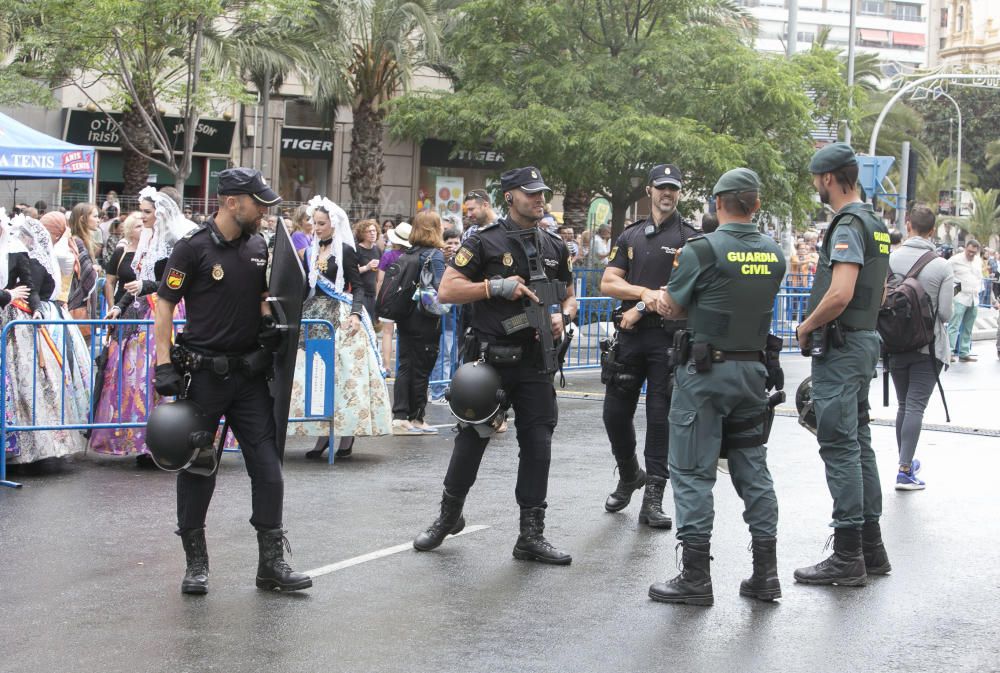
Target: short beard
{"points": [[250, 228], [824, 195]]}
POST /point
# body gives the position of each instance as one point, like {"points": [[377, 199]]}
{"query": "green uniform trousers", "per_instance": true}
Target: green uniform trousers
{"points": [[701, 402], [840, 382]]}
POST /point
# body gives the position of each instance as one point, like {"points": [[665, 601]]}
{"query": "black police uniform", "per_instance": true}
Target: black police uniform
{"points": [[492, 253], [223, 284], [646, 253]]}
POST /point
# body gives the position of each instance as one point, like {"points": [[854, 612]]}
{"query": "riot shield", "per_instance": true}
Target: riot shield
{"points": [[286, 291]]}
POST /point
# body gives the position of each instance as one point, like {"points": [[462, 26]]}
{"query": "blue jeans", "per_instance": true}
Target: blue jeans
{"points": [[444, 366], [963, 320]]}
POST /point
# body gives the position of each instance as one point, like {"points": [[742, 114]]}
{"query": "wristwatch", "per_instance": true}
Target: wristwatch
{"points": [[641, 307]]}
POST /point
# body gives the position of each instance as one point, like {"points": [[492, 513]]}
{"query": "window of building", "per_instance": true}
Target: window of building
{"points": [[906, 12], [873, 7], [960, 23], [944, 17], [807, 37]]}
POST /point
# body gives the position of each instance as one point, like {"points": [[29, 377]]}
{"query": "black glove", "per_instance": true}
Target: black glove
{"points": [[168, 380], [269, 336]]}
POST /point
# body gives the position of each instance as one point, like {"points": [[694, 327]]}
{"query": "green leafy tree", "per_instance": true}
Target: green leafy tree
{"points": [[980, 117], [936, 176], [595, 92], [379, 46], [982, 222], [154, 54]]}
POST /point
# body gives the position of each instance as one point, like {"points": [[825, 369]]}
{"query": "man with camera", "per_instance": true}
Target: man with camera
{"points": [[839, 333]]}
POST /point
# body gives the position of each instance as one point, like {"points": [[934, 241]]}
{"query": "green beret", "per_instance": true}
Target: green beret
{"points": [[832, 157], [737, 180]]}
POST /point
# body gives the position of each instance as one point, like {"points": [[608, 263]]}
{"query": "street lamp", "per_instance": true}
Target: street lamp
{"points": [[940, 93], [852, 29]]}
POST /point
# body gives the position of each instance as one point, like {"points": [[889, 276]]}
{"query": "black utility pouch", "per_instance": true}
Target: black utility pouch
{"points": [[500, 355], [680, 350], [835, 334], [258, 362], [701, 355]]}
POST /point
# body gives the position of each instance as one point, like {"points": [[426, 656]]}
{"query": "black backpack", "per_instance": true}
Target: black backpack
{"points": [[906, 319], [395, 298]]}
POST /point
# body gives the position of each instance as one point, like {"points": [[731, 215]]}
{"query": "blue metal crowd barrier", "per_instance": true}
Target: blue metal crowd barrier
{"points": [[99, 330]]}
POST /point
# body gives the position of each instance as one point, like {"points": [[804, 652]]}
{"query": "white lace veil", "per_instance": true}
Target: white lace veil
{"points": [[38, 245], [169, 227], [341, 235]]}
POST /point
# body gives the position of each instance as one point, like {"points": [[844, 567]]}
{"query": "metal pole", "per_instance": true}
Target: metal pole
{"points": [[958, 152], [907, 88], [793, 27], [904, 177], [852, 29]]}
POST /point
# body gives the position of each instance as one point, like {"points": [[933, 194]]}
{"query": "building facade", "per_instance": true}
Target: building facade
{"points": [[894, 30], [964, 34]]}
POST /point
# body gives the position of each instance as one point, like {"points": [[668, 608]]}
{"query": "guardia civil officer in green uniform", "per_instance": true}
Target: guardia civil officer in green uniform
{"points": [[638, 266], [843, 307], [725, 282]]}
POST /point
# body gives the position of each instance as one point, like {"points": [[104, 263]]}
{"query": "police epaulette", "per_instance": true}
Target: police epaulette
{"points": [[485, 227], [689, 224], [194, 231], [553, 235]]}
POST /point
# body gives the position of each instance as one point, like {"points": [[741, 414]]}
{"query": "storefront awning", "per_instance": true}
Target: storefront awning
{"points": [[908, 39], [869, 35]]}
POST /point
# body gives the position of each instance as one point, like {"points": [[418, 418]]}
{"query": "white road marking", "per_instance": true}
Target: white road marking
{"points": [[381, 553]]}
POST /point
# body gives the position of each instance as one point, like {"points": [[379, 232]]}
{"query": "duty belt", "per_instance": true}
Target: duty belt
{"points": [[737, 356], [220, 364]]}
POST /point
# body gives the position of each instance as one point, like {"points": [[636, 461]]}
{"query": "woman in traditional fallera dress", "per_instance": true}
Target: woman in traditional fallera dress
{"points": [[48, 370], [127, 395], [361, 404]]}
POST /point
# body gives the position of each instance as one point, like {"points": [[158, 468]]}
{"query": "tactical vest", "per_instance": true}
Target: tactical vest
{"points": [[734, 312], [862, 310]]}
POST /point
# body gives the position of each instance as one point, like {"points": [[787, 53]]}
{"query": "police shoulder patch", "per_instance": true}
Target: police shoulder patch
{"points": [[463, 256], [175, 279], [614, 251]]}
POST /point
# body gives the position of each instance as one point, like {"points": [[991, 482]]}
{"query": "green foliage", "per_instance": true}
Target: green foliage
{"points": [[985, 217], [980, 118], [939, 176], [594, 92]]}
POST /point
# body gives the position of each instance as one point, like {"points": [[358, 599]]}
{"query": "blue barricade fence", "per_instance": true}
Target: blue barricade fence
{"points": [[62, 351]]}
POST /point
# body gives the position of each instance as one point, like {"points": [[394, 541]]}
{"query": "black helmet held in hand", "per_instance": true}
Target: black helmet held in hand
{"points": [[475, 395], [175, 434], [804, 405]]}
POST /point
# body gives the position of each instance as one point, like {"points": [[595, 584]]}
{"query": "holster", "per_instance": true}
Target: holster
{"points": [[835, 335], [772, 361], [609, 355]]}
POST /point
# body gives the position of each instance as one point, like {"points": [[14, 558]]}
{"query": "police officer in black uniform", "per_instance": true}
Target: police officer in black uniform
{"points": [[638, 266], [491, 269], [221, 363]]}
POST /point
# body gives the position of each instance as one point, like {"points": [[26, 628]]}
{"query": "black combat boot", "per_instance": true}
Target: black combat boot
{"points": [[273, 572], [876, 558], [763, 584], [532, 545], [845, 567], [651, 513], [196, 575], [449, 522], [694, 585], [630, 479]]}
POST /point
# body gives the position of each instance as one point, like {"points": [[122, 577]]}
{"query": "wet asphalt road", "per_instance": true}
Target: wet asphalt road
{"points": [[91, 570]]}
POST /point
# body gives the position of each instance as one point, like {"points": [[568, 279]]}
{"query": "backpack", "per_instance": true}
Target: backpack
{"points": [[426, 296], [906, 319], [395, 298]]}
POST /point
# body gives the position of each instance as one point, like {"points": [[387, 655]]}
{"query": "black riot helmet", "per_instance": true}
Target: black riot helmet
{"points": [[475, 395], [804, 405], [176, 435]]}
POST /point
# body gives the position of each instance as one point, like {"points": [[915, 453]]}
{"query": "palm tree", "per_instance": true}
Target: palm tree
{"points": [[939, 176], [982, 223], [384, 43]]}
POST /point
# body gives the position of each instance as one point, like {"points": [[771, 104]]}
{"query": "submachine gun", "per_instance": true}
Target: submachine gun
{"points": [[550, 295]]}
